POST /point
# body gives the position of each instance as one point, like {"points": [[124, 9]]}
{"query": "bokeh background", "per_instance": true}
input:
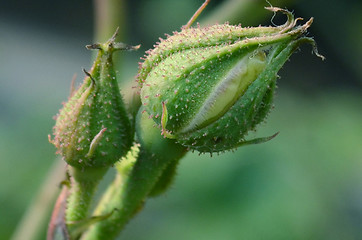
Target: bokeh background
{"points": [[304, 184]]}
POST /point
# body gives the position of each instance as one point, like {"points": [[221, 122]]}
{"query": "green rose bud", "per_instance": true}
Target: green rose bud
{"points": [[208, 87], [93, 130]]}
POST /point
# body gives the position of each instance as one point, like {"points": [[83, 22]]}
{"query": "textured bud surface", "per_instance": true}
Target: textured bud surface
{"points": [[92, 129], [208, 87]]}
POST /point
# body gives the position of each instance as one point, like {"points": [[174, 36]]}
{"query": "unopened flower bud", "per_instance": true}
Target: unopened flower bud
{"points": [[93, 129], [208, 87]]}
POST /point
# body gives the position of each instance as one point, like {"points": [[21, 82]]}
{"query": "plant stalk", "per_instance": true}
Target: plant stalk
{"points": [[137, 176], [81, 193], [127, 196]]}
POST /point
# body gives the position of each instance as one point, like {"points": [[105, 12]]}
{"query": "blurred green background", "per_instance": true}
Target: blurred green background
{"points": [[304, 184]]}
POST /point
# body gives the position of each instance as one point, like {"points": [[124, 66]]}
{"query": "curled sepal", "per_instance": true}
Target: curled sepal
{"points": [[93, 129], [208, 87]]}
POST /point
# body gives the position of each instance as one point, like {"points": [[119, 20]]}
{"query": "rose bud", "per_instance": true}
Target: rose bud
{"points": [[93, 129], [207, 87]]}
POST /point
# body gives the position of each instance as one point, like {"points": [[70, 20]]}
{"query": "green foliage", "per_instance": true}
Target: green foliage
{"points": [[305, 184]]}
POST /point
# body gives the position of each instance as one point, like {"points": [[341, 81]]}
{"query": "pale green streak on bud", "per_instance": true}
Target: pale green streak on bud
{"points": [[94, 144], [187, 85], [251, 108], [225, 94]]}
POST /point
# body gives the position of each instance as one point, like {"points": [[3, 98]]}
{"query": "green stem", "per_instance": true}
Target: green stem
{"points": [[110, 198], [79, 201], [128, 196], [81, 195], [132, 185]]}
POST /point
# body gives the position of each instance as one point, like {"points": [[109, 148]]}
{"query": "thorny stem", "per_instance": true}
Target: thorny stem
{"points": [[134, 183], [81, 193], [128, 196]]}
